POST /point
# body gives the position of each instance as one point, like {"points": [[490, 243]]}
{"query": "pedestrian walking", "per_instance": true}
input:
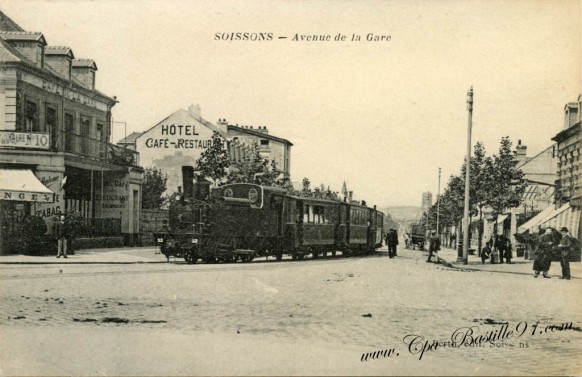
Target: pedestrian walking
{"points": [[434, 246], [406, 240], [565, 247], [543, 259], [485, 253], [59, 233], [508, 250], [453, 240], [500, 246], [393, 243]]}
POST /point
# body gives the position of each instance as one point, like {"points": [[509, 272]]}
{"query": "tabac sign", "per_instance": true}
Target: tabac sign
{"points": [[24, 140]]}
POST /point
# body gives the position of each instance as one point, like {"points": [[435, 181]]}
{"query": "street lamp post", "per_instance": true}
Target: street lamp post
{"points": [[467, 177]]}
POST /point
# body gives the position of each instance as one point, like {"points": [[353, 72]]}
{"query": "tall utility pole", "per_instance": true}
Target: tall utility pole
{"points": [[467, 177], [438, 204]]}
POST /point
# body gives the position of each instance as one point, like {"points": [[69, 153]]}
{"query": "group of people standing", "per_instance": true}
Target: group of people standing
{"points": [[503, 246], [550, 243]]}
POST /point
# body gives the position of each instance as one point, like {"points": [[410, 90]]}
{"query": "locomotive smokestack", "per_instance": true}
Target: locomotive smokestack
{"points": [[188, 181]]}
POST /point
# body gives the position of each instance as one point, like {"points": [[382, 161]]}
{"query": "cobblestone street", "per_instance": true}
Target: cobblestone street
{"points": [[310, 317]]}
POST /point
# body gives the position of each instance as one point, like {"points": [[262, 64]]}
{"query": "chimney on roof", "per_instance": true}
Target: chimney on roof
{"points": [[30, 44], [195, 111], [84, 71], [60, 59], [263, 130], [520, 152], [223, 125]]}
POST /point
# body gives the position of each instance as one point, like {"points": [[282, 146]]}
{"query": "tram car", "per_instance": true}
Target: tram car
{"points": [[242, 221]]}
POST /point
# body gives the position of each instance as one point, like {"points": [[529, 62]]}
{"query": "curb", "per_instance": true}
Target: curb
{"points": [[465, 268], [81, 263]]}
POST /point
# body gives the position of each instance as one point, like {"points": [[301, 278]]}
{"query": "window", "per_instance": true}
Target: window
{"points": [[69, 133], [264, 143], [100, 146], [85, 132], [31, 116]]}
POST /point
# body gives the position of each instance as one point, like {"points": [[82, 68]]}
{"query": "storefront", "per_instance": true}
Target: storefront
{"points": [[20, 193]]}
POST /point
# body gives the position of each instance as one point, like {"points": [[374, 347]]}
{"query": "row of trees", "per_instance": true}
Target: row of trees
{"points": [[496, 184], [214, 164]]}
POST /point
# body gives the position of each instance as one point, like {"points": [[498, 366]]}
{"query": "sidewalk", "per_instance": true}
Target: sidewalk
{"points": [[129, 255], [518, 265]]}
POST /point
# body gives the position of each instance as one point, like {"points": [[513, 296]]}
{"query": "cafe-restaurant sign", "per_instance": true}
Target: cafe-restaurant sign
{"points": [[33, 140]]}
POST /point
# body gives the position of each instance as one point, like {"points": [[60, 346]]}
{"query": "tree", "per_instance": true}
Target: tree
{"points": [[306, 190], [503, 181], [214, 162], [153, 187], [254, 169]]}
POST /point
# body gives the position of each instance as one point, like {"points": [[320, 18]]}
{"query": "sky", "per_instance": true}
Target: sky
{"points": [[383, 116]]}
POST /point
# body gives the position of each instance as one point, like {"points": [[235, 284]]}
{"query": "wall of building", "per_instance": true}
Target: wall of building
{"points": [[275, 150]]}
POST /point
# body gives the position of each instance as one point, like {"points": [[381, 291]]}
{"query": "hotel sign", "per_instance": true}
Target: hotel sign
{"points": [[24, 140]]}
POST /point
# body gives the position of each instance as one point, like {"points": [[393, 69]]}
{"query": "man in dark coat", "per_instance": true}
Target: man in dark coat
{"points": [[392, 243], [434, 246], [544, 257], [565, 247], [500, 245], [60, 236]]}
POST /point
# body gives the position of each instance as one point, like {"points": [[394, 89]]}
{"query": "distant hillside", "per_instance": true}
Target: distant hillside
{"points": [[403, 213]]}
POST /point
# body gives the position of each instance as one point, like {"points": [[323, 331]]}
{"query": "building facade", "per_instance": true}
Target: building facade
{"points": [[55, 125], [569, 182], [184, 135]]}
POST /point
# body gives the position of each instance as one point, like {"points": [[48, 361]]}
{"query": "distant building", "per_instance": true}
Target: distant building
{"points": [[271, 147], [426, 202], [184, 135]]}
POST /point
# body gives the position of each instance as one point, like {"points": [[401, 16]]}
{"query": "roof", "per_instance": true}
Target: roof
{"points": [[6, 23], [567, 133], [130, 139], [23, 36], [8, 53], [59, 50], [259, 134], [87, 63]]}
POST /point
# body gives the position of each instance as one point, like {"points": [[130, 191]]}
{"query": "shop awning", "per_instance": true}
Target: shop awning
{"points": [[534, 222], [565, 216], [22, 185]]}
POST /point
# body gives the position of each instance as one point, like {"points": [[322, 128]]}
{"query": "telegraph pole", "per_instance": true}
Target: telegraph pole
{"points": [[438, 204], [467, 177]]}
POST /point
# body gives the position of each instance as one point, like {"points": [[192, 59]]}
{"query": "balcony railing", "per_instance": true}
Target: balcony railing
{"points": [[99, 150]]}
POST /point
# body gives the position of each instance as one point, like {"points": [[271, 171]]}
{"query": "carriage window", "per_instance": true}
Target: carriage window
{"points": [[310, 214]]}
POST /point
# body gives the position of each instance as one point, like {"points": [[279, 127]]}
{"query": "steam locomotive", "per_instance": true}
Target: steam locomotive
{"points": [[242, 221]]}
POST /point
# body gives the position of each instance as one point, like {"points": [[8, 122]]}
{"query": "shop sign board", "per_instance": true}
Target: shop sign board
{"points": [[31, 140]]}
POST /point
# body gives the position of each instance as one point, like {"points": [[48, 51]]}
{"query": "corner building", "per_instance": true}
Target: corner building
{"points": [[55, 128]]}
